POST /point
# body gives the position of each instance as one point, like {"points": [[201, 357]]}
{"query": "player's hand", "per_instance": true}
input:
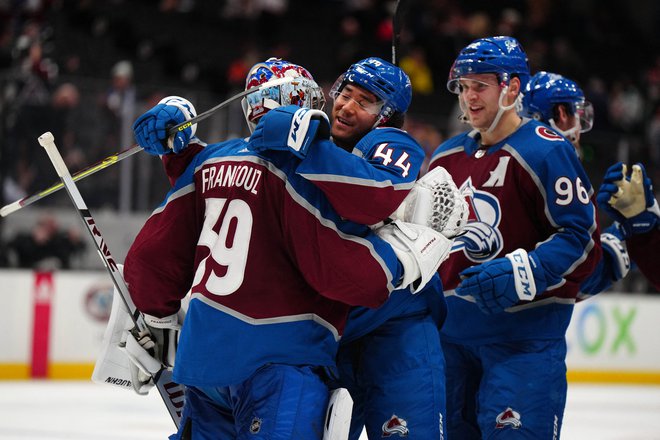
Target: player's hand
{"points": [[290, 128], [497, 284], [436, 202], [150, 129], [151, 350], [629, 199]]}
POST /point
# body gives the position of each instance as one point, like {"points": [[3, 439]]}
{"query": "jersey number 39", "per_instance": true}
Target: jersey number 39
{"points": [[225, 250]]}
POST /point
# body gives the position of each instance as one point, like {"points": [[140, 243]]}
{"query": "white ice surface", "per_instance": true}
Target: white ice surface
{"points": [[78, 410]]}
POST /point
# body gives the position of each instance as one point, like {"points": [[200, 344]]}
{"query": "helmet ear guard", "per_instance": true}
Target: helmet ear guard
{"points": [[301, 90]]}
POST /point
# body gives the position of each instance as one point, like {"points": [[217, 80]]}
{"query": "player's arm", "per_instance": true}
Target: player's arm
{"points": [[159, 266], [368, 187], [348, 262], [614, 265], [643, 249], [570, 253]]}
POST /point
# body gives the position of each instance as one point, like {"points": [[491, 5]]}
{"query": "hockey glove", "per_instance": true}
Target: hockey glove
{"points": [[629, 199], [436, 202], [150, 129], [149, 351], [503, 282], [612, 242], [290, 128], [420, 250]]}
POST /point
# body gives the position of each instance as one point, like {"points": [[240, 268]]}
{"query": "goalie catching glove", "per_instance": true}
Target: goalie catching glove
{"points": [[420, 250], [436, 202], [150, 350], [629, 199], [290, 128], [503, 282], [150, 129]]}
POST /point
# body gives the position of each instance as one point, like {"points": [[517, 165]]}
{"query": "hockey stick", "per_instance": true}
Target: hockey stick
{"points": [[171, 392], [113, 159], [397, 24], [105, 163], [200, 117]]}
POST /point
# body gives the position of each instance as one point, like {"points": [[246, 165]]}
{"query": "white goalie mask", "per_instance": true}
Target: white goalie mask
{"points": [[301, 90]]}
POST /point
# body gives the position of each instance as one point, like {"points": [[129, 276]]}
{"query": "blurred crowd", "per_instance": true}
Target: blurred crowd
{"points": [[84, 70]]}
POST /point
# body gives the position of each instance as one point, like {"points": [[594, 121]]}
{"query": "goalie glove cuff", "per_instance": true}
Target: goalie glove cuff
{"points": [[420, 250]]}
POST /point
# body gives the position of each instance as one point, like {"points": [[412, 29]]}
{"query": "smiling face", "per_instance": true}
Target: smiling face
{"points": [[354, 113], [479, 96]]}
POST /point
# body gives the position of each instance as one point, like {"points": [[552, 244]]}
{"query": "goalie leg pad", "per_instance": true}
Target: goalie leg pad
{"points": [[112, 365], [338, 415]]}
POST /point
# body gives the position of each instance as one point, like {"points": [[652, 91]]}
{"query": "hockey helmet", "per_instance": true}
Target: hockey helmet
{"points": [[388, 82], [545, 90], [502, 55]]}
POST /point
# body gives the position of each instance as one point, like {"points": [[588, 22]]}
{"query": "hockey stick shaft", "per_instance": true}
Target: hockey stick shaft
{"points": [[113, 159], [171, 392], [397, 24], [105, 163], [200, 117]]}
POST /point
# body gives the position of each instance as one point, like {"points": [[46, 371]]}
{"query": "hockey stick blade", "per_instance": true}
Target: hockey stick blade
{"points": [[171, 393]]}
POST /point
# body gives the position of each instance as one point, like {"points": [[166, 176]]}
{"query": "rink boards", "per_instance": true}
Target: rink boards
{"points": [[53, 325]]}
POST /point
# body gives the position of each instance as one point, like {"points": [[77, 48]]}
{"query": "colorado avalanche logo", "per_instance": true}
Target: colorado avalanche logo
{"points": [[481, 239], [548, 134], [395, 426], [508, 417]]}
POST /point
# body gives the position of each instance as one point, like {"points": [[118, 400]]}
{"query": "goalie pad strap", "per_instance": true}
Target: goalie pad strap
{"points": [[522, 274]]}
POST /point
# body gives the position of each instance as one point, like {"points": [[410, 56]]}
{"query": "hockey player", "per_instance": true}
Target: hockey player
{"points": [[560, 103], [273, 268], [512, 277], [390, 358]]}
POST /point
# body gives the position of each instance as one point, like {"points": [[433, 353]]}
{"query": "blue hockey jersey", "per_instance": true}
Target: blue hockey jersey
{"points": [[529, 191]]}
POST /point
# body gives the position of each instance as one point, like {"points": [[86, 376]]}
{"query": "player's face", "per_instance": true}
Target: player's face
{"points": [[354, 113], [479, 98]]}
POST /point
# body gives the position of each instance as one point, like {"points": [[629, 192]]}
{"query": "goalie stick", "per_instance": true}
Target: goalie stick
{"points": [[113, 159], [171, 392]]}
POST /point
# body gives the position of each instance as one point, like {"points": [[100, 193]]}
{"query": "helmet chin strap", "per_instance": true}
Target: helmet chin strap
{"points": [[571, 133], [502, 108]]}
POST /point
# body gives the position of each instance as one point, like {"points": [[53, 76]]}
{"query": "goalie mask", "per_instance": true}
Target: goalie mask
{"points": [[300, 89], [547, 90]]}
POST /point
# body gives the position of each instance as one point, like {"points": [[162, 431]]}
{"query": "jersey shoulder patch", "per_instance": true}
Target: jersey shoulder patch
{"points": [[548, 134]]}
